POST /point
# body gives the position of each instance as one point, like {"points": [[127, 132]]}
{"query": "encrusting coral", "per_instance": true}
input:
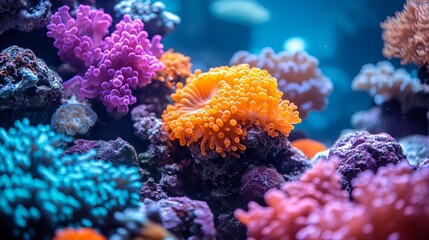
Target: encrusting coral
{"points": [[297, 74], [390, 204], [73, 118], [214, 108], [406, 35]]}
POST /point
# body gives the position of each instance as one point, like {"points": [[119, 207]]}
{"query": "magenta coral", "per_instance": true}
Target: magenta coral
{"points": [[391, 204], [77, 38], [123, 61]]}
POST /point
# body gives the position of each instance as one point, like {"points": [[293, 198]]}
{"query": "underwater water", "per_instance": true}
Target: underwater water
{"points": [[214, 119]]}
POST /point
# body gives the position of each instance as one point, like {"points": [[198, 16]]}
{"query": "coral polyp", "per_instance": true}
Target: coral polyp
{"points": [[215, 108]]}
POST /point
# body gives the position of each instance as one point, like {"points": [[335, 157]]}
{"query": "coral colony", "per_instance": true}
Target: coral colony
{"points": [[213, 153]]}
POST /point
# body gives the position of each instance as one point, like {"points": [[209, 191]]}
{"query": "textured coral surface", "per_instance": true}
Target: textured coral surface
{"points": [[214, 107]]}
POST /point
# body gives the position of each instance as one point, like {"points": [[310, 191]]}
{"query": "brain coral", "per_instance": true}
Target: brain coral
{"points": [[215, 108], [406, 35], [73, 118], [297, 74]]}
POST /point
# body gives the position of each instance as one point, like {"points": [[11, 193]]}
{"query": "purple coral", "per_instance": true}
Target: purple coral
{"points": [[77, 39], [185, 218], [360, 151], [257, 181], [123, 61]]}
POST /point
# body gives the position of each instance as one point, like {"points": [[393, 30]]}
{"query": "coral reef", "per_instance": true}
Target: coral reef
{"points": [[405, 35], [43, 189], [73, 118], [213, 109], [308, 146], [360, 151], [156, 19], [401, 101], [297, 74], [28, 87], [392, 203]]}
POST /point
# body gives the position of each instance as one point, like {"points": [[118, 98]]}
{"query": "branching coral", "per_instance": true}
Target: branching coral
{"points": [[115, 65], [214, 108], [393, 203], [42, 189], [78, 38], [177, 67], [406, 35], [298, 76], [383, 82]]}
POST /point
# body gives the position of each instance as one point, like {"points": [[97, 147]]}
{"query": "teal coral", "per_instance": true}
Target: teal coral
{"points": [[41, 189]]}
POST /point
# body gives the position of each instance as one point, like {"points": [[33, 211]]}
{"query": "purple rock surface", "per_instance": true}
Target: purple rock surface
{"points": [[360, 151]]}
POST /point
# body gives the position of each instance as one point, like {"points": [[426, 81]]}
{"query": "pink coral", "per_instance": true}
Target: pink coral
{"points": [[115, 65], [391, 204], [297, 74], [129, 62]]}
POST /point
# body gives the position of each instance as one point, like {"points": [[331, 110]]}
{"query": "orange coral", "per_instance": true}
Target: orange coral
{"points": [[177, 67], [216, 107], [406, 35], [78, 234], [153, 231], [308, 146]]}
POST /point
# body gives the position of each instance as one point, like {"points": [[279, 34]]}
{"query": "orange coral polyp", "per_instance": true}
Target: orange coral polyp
{"points": [[215, 108]]}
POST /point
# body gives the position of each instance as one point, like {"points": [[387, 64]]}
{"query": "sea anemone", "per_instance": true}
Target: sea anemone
{"points": [[216, 107], [298, 76], [406, 35]]}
